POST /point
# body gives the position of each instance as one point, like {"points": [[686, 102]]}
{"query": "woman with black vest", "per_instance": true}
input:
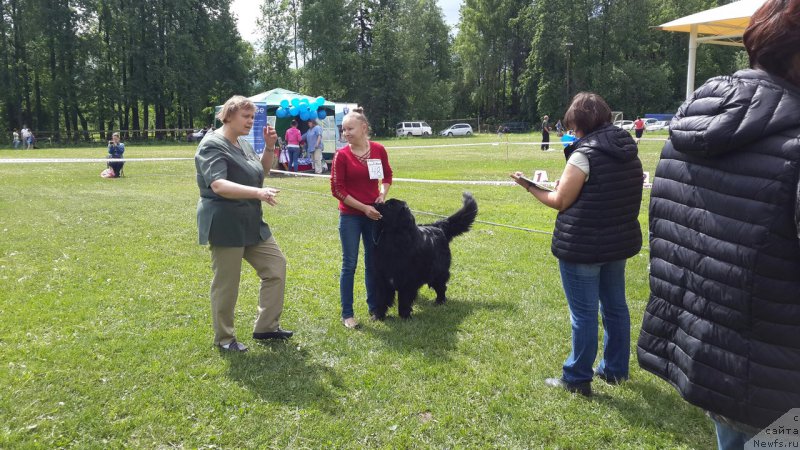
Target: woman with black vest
{"points": [[723, 321], [597, 229]]}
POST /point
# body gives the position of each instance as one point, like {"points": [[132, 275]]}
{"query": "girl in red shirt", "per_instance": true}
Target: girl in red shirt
{"points": [[360, 177]]}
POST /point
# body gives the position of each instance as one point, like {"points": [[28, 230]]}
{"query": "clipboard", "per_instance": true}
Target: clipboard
{"points": [[541, 186]]}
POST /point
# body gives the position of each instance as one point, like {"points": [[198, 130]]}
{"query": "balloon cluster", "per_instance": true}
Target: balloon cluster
{"points": [[302, 108]]}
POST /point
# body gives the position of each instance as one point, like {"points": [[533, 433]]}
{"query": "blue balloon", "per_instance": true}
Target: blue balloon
{"points": [[322, 114], [320, 100], [284, 103], [304, 115], [280, 113], [295, 101], [304, 101], [293, 111], [312, 115]]}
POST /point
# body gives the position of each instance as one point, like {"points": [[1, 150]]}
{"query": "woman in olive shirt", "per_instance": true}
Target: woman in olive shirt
{"points": [[230, 176]]}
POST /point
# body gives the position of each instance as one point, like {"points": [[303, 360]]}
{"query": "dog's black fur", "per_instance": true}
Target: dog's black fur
{"points": [[408, 256]]}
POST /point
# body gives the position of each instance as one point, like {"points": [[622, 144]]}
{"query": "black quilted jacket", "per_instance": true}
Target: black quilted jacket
{"points": [[603, 223], [723, 321]]}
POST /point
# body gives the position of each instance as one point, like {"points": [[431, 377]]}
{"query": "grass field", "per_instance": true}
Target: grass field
{"points": [[105, 337]]}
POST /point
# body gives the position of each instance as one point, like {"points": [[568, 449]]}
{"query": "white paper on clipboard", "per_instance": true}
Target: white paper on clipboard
{"points": [[375, 168]]}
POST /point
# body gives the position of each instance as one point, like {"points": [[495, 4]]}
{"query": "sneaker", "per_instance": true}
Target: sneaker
{"points": [[350, 322], [233, 347], [584, 388]]}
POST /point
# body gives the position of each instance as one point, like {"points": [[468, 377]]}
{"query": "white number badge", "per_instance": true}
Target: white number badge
{"points": [[375, 169]]}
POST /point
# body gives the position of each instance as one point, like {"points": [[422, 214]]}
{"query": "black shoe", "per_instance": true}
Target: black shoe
{"points": [[584, 388], [608, 379], [233, 347], [277, 334]]}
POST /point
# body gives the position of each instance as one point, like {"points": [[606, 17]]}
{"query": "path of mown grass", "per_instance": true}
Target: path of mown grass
{"points": [[105, 337]]}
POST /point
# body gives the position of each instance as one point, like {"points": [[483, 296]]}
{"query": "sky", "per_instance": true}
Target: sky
{"points": [[246, 12]]}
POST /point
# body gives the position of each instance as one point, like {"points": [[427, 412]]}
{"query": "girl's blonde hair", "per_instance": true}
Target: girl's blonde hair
{"points": [[358, 114], [233, 105]]}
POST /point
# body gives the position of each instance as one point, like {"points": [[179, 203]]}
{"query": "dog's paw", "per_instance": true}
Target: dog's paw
{"points": [[441, 301]]}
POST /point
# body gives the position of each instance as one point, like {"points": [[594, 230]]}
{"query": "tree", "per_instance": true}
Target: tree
{"points": [[277, 30]]}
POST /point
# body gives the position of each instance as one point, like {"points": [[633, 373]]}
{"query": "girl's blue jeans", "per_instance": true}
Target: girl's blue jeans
{"points": [[353, 228], [294, 153]]}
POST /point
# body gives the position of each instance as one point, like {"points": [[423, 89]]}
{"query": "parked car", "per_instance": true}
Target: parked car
{"points": [[413, 129], [196, 135], [657, 125], [459, 129], [624, 124], [515, 127]]}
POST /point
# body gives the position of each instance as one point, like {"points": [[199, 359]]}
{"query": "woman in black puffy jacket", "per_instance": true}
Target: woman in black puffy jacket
{"points": [[597, 229], [723, 321]]}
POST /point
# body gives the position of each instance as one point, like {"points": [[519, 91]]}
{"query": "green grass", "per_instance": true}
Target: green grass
{"points": [[105, 338]]}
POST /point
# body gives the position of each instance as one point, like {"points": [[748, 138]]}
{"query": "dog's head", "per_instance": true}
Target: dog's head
{"points": [[396, 214]]}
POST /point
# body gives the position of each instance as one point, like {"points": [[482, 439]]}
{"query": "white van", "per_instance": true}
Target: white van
{"points": [[413, 129]]}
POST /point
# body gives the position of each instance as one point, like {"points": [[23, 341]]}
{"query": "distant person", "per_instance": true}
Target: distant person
{"points": [[293, 138], [315, 145], [545, 133], [559, 128], [27, 137], [115, 151], [597, 229], [357, 192], [283, 155], [15, 138], [638, 128], [230, 175], [722, 325]]}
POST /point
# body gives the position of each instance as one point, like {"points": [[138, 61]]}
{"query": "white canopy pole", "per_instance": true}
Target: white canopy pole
{"points": [[692, 60]]}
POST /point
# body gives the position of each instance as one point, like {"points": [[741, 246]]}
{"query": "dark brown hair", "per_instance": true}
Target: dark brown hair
{"points": [[773, 38], [587, 112]]}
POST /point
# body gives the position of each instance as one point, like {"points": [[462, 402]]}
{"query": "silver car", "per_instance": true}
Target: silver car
{"points": [[458, 129]]}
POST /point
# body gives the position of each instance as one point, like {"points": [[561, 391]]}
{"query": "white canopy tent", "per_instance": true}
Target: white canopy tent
{"points": [[724, 25]]}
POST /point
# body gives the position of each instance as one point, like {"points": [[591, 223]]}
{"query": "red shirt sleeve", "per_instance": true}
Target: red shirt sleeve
{"points": [[339, 175]]}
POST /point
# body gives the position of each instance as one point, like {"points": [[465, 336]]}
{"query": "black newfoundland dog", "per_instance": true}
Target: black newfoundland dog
{"points": [[408, 256]]}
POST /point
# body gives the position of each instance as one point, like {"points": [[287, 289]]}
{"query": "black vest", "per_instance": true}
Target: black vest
{"points": [[723, 321], [603, 223]]}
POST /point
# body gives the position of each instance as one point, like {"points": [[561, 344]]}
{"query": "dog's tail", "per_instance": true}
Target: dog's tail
{"points": [[461, 221]]}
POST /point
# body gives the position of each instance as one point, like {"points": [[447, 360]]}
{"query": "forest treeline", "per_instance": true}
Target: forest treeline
{"points": [[75, 65]]}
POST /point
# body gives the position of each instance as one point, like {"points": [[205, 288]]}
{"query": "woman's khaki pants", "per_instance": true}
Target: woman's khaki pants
{"points": [[270, 265]]}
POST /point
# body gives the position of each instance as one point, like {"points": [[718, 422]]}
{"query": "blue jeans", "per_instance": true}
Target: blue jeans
{"points": [[294, 153], [729, 438], [351, 229], [584, 285]]}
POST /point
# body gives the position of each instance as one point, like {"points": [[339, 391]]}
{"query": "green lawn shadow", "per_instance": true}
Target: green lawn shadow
{"points": [[277, 371], [432, 331], [648, 411]]}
